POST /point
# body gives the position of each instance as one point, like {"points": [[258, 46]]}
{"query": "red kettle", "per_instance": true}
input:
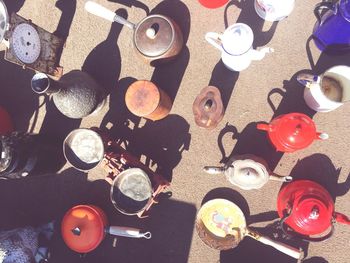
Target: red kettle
{"points": [[292, 132], [307, 209]]}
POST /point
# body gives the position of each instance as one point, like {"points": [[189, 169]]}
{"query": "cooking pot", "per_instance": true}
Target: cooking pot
{"points": [[84, 149], [157, 38], [308, 210], [85, 226], [292, 132], [221, 225], [213, 3], [6, 125], [131, 191], [247, 172]]}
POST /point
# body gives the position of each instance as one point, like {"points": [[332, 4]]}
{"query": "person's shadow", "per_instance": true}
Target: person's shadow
{"points": [[168, 76]]}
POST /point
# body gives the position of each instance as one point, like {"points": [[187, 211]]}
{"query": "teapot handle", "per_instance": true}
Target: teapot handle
{"points": [[214, 39], [306, 79], [320, 7]]}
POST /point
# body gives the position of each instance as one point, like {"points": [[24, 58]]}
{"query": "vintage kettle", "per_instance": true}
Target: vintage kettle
{"points": [[308, 210], [292, 132], [84, 227], [76, 94], [332, 30], [247, 172], [236, 46], [6, 124], [157, 38]]}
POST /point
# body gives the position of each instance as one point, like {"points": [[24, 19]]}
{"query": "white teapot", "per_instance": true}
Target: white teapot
{"points": [[236, 47]]}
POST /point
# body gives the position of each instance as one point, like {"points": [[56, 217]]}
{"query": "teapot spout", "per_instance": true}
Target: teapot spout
{"points": [[260, 54]]}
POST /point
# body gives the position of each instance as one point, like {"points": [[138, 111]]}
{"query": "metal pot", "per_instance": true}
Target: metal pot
{"points": [[84, 227], [247, 172], [292, 132], [308, 210], [131, 191], [157, 38]]}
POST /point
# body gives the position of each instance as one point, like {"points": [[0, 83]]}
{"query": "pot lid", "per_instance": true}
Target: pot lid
{"points": [[247, 174], [208, 108], [4, 20], [237, 39], [295, 130], [142, 98], [154, 35], [83, 228], [310, 207]]}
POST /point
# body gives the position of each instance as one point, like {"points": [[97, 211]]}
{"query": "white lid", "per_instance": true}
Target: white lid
{"points": [[3, 20], [237, 39]]}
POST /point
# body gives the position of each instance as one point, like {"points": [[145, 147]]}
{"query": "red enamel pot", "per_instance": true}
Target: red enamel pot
{"points": [[213, 3], [307, 209], [292, 132], [6, 125]]}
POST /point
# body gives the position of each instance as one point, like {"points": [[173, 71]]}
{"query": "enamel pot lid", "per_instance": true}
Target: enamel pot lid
{"points": [[291, 132], [4, 20], [154, 35], [83, 228], [309, 206]]}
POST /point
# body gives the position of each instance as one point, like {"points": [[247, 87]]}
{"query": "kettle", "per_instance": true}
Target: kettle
{"points": [[247, 172], [332, 30], [292, 132], [307, 209], [236, 48]]}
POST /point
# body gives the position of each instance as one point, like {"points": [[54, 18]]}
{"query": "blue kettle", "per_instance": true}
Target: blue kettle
{"points": [[332, 29]]}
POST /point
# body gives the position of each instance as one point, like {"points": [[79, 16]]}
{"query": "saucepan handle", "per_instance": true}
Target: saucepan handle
{"points": [[322, 136], [288, 250], [127, 232], [306, 79], [99, 10], [322, 6], [214, 39], [341, 218], [280, 178], [214, 170], [263, 127]]}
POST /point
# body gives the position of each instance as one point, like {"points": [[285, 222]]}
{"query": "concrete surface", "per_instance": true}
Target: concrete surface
{"points": [[176, 145]]}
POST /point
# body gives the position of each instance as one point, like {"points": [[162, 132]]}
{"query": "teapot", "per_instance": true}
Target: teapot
{"points": [[236, 48], [247, 172], [332, 30], [307, 209], [292, 132]]}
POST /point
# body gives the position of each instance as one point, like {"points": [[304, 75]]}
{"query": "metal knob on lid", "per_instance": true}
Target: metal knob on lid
{"points": [[144, 99]]}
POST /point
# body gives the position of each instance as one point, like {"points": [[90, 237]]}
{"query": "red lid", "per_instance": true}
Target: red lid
{"points": [[310, 206], [83, 228], [292, 132], [213, 3]]}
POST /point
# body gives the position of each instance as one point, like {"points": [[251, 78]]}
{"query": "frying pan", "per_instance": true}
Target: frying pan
{"points": [[221, 225]]}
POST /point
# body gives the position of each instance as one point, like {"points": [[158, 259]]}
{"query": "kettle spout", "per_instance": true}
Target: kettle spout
{"points": [[260, 54]]}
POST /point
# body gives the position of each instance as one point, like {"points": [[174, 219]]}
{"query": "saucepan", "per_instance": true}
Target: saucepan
{"points": [[157, 38], [221, 225]]}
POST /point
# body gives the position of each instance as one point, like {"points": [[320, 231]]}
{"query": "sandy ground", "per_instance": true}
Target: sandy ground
{"points": [[176, 145]]}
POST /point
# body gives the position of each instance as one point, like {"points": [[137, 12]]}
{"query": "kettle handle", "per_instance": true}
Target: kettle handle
{"points": [[306, 79], [127, 232], [322, 6], [263, 127], [341, 218], [214, 39]]}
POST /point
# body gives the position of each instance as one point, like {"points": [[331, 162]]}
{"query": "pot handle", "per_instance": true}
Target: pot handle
{"points": [[127, 232], [306, 79], [214, 39], [286, 249], [214, 170], [280, 178], [341, 218], [99, 10], [322, 136], [320, 7], [263, 127]]}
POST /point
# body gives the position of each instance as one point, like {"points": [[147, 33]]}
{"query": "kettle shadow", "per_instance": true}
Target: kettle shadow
{"points": [[315, 260], [13, 6], [104, 62], [249, 16], [131, 3], [260, 146], [324, 173], [168, 76], [225, 80]]}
